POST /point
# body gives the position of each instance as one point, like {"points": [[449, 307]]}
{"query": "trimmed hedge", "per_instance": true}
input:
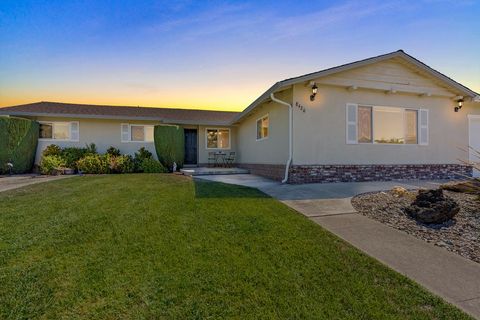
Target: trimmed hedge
{"points": [[18, 143], [170, 145]]}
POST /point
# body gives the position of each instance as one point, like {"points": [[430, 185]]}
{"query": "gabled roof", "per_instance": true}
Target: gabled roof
{"points": [[322, 73], [173, 116]]}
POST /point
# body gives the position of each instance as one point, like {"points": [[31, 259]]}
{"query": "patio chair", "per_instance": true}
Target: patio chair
{"points": [[212, 159], [230, 159]]}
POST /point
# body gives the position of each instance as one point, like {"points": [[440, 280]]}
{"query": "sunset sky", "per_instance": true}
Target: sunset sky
{"points": [[215, 55]]}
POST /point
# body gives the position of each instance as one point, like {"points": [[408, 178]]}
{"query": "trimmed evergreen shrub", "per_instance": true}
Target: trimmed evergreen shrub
{"points": [[18, 144], [151, 165], [93, 163], [170, 145], [50, 163]]}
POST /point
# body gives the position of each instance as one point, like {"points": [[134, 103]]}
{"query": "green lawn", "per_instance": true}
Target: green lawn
{"points": [[163, 246]]}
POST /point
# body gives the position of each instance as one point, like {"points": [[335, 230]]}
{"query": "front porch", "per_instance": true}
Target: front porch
{"points": [[203, 171]]}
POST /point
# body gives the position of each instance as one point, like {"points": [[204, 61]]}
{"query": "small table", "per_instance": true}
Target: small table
{"points": [[220, 158]]}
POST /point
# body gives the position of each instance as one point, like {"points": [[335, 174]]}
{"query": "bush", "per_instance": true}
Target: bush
{"points": [[93, 163], [151, 165], [120, 164], [170, 145], [113, 151], [18, 144], [52, 150], [50, 163], [91, 148], [71, 155], [141, 155]]}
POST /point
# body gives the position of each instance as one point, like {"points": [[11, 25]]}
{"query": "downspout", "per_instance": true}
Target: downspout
{"points": [[290, 134]]}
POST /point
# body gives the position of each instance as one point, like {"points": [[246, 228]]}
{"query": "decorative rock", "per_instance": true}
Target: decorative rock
{"points": [[399, 192], [431, 206]]}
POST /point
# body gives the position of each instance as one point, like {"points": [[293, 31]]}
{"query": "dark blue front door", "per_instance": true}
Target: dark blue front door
{"points": [[190, 146]]}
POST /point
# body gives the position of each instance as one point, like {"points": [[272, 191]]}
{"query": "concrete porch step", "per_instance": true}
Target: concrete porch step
{"points": [[202, 171]]}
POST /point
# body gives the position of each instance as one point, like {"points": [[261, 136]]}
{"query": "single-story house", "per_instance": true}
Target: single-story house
{"points": [[386, 117]]}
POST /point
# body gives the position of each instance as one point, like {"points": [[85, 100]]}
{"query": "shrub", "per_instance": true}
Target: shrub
{"points": [[18, 144], [151, 165], [91, 148], [71, 155], [52, 150], [170, 145], [50, 163], [120, 164], [141, 155], [93, 163], [113, 151]]}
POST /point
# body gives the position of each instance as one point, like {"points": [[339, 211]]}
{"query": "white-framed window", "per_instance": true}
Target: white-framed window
{"points": [[61, 131], [366, 124], [262, 127], [136, 132], [217, 138]]}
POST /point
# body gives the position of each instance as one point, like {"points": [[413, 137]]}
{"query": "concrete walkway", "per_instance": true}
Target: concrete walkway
{"points": [[22, 180], [446, 274]]}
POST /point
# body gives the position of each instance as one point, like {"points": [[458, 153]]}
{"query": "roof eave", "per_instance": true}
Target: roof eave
{"points": [[107, 117], [255, 103], [452, 83]]}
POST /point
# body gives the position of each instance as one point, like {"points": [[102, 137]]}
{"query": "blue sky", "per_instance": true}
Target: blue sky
{"points": [[215, 54]]}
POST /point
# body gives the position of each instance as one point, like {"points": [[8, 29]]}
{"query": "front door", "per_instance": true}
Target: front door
{"points": [[474, 140], [191, 146]]}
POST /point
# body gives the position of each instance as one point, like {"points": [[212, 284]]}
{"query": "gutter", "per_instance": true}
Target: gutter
{"points": [[290, 134], [112, 117]]}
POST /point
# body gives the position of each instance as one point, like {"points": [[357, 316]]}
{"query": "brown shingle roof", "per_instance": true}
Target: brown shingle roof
{"points": [[180, 116]]}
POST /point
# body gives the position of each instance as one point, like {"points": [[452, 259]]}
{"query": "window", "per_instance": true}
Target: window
{"points": [[364, 124], [218, 138], [262, 128], [66, 131], [383, 125], [136, 133], [411, 126], [388, 126]]}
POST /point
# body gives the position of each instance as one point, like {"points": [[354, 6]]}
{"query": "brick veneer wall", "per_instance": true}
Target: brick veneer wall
{"points": [[350, 173], [272, 171]]}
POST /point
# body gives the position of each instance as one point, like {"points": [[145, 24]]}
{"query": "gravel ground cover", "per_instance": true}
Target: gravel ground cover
{"points": [[460, 234]]}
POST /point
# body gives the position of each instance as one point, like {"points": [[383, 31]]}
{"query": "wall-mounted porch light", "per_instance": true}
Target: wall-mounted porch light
{"points": [[460, 105], [314, 92]]}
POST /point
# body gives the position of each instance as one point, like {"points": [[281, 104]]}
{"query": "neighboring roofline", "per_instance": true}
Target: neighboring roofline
{"points": [[314, 75], [87, 116]]}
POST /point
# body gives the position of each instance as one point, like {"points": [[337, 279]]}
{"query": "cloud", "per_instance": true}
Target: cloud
{"points": [[335, 16], [206, 17]]}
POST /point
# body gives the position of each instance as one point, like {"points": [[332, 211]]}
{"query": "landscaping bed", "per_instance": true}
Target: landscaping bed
{"points": [[460, 234]]}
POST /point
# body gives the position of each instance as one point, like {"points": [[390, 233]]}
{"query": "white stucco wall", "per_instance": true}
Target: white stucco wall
{"points": [[274, 149], [319, 136], [202, 142], [104, 133]]}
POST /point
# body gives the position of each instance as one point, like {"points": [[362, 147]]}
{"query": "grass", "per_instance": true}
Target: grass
{"points": [[163, 246]]}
